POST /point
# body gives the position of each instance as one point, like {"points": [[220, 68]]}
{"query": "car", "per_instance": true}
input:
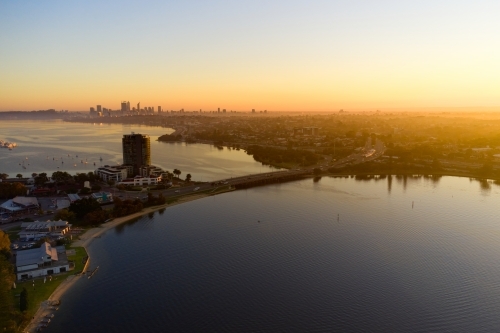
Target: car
{"points": [[51, 315], [196, 189], [177, 191]]}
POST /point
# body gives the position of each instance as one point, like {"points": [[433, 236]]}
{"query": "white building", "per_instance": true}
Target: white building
{"points": [[115, 173], [150, 170], [37, 230], [46, 260], [140, 181]]}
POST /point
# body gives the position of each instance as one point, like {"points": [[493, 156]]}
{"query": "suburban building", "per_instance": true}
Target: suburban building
{"points": [[73, 197], [150, 170], [37, 230], [19, 205], [42, 261], [140, 181], [115, 173], [102, 197]]}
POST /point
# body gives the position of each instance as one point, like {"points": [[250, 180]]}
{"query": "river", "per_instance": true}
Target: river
{"points": [[397, 254], [48, 146]]}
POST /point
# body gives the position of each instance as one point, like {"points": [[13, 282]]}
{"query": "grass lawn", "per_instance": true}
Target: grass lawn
{"points": [[42, 291]]}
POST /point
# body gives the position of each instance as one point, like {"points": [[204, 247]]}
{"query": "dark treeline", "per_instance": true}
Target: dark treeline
{"points": [[42, 114], [276, 155]]}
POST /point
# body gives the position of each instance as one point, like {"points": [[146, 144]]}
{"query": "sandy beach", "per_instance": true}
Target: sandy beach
{"points": [[84, 241]]}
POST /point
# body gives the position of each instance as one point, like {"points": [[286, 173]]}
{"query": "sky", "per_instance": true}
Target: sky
{"points": [[241, 55]]}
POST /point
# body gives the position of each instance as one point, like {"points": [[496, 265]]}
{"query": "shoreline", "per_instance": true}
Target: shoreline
{"points": [[86, 239]]}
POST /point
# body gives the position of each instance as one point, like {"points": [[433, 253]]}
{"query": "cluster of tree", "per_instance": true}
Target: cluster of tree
{"points": [[11, 190], [216, 135], [84, 212], [276, 155], [154, 201], [170, 138], [8, 313], [126, 207]]}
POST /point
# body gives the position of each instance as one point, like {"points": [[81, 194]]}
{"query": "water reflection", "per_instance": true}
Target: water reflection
{"points": [[121, 227]]}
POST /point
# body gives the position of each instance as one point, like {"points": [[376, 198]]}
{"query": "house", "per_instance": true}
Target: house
{"points": [[19, 205], [43, 261], [102, 197], [37, 230]]}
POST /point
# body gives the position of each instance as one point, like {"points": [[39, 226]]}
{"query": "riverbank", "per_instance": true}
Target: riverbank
{"points": [[85, 240]]}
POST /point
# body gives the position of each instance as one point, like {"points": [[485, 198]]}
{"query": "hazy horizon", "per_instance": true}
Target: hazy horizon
{"points": [[287, 56]]}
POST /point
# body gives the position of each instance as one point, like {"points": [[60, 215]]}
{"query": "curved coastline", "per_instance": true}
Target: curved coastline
{"points": [[86, 239]]}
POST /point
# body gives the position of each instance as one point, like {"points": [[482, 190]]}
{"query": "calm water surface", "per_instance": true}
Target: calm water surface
{"points": [[338, 255], [44, 146]]}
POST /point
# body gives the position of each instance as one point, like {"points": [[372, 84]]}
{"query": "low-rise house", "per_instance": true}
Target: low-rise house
{"points": [[102, 197], [37, 230], [19, 205], [42, 261], [73, 197]]}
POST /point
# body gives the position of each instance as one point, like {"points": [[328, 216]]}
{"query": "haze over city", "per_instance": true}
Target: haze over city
{"points": [[280, 55]]}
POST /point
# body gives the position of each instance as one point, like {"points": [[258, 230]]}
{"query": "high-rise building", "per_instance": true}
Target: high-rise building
{"points": [[136, 151], [139, 106], [99, 108], [159, 109], [128, 106], [124, 106]]}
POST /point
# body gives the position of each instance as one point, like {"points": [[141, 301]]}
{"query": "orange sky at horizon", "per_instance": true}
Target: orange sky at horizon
{"points": [[313, 56]]}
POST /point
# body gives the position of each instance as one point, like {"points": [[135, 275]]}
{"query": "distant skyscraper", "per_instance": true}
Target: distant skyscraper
{"points": [[139, 106], [99, 109], [92, 109], [124, 106], [159, 109], [136, 151], [218, 109], [128, 106]]}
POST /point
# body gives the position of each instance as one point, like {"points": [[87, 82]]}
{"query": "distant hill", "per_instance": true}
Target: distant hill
{"points": [[43, 114]]}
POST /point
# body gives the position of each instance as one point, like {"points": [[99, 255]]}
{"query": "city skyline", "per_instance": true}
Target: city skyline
{"points": [[284, 56]]}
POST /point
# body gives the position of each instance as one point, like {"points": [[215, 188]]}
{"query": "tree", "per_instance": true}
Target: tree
{"points": [[41, 179], [19, 176], [4, 176], [11, 190], [64, 215], [188, 177], [84, 206], [61, 176], [34, 174], [23, 301], [96, 217], [177, 172], [85, 190], [4, 241]]}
